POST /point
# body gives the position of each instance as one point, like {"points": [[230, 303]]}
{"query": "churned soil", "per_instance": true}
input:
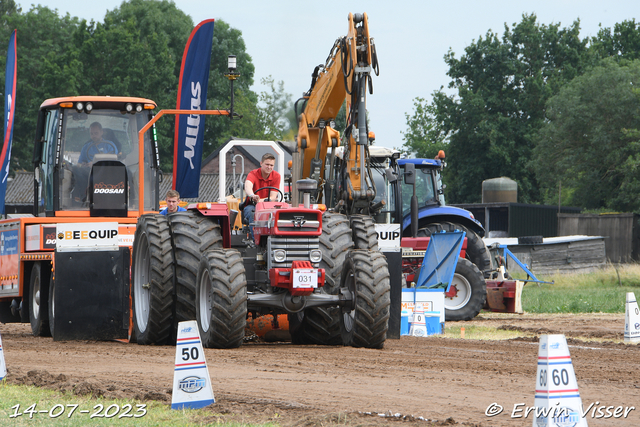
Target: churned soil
{"points": [[412, 381]]}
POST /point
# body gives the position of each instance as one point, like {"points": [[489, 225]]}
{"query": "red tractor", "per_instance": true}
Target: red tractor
{"points": [[302, 263]]}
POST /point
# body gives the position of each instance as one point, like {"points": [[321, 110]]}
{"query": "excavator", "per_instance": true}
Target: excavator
{"points": [[344, 77], [346, 169], [347, 194]]}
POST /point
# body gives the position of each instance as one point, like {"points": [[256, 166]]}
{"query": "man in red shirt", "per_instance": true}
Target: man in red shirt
{"points": [[265, 176]]}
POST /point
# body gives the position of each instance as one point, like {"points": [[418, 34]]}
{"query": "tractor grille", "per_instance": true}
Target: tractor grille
{"points": [[298, 221], [296, 248]]}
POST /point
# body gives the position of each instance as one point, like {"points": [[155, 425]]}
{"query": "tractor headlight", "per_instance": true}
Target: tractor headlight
{"points": [[279, 255], [315, 255]]}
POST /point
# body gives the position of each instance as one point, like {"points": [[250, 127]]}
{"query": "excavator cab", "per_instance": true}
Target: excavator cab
{"points": [[86, 156]]}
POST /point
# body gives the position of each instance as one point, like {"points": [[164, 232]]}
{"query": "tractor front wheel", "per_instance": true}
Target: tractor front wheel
{"points": [[221, 298], [152, 280], [39, 293], [191, 235], [321, 325], [366, 276]]}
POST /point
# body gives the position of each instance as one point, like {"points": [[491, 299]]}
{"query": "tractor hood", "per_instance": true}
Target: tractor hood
{"points": [[447, 213]]}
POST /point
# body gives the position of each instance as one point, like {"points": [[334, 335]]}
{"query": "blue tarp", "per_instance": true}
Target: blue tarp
{"points": [[440, 260]]}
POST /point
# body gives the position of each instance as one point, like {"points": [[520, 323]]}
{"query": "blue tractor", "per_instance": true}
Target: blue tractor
{"points": [[412, 194]]}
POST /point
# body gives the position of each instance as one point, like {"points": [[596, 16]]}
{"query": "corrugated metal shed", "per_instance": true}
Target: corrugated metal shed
{"points": [[19, 194], [621, 231], [208, 191], [517, 219], [20, 190], [566, 254], [252, 154]]}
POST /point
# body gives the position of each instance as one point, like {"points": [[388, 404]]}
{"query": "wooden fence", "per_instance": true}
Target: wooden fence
{"points": [[621, 232]]}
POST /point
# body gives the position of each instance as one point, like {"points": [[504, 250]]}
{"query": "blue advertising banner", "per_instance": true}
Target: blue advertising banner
{"points": [[9, 109], [192, 95]]}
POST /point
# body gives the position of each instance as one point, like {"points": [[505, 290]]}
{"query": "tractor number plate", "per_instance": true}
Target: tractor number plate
{"points": [[305, 278]]}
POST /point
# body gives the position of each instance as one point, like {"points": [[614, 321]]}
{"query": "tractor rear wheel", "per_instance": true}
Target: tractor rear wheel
{"points": [[221, 298], [39, 294], [366, 276], [191, 236], [152, 280], [467, 293], [321, 325], [364, 232]]}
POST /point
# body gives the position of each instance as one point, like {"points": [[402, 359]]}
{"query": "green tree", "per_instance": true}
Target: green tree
{"points": [[341, 118], [136, 51], [502, 85], [590, 142], [620, 42], [424, 136], [8, 8], [269, 119], [44, 48], [274, 106], [156, 19], [228, 41]]}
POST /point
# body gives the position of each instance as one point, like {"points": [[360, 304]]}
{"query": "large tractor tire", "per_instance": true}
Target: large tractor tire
{"points": [[191, 236], [152, 280], [321, 325], [39, 294], [364, 232], [477, 251], [467, 293], [221, 298], [51, 306], [366, 275], [6, 316]]}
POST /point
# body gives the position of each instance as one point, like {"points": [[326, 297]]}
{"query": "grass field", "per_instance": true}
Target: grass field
{"points": [[602, 291], [64, 409]]}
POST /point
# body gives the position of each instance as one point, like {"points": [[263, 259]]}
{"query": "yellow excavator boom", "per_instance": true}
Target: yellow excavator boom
{"points": [[344, 77]]}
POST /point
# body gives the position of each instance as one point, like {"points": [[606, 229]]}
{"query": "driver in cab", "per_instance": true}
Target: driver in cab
{"points": [[96, 145], [259, 178]]}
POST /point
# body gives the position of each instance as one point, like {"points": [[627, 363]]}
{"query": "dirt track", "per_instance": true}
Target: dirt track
{"points": [[448, 381]]}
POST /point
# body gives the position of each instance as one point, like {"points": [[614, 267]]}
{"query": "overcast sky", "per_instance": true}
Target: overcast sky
{"points": [[288, 38]]}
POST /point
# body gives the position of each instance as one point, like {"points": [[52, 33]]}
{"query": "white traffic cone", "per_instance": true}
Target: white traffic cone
{"points": [[3, 367], [557, 399], [631, 320], [191, 381], [418, 324]]}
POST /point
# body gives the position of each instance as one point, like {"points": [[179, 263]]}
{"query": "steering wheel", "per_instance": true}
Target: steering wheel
{"points": [[268, 199], [110, 144]]}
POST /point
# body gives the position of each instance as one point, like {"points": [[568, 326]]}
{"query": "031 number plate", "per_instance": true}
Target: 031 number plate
{"points": [[305, 278]]}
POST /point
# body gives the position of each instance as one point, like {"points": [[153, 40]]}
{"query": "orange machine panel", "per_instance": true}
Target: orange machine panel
{"points": [[40, 237], [9, 257]]}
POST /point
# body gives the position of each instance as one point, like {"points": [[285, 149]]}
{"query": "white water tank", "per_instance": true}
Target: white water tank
{"points": [[499, 190]]}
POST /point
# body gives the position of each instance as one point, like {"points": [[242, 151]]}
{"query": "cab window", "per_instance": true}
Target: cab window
{"points": [[425, 190]]}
